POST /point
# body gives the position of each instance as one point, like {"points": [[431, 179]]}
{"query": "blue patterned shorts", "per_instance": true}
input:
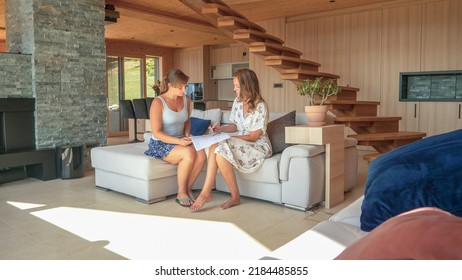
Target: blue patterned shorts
{"points": [[158, 149]]}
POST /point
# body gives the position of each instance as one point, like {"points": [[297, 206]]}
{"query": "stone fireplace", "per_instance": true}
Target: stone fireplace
{"points": [[56, 57]]}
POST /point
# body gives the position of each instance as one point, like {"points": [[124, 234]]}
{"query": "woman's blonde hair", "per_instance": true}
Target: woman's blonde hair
{"points": [[175, 77], [250, 88]]}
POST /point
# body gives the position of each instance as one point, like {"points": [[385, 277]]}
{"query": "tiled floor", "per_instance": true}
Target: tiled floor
{"points": [[71, 219]]}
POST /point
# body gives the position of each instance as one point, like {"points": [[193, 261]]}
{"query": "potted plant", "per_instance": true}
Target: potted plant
{"points": [[317, 91]]}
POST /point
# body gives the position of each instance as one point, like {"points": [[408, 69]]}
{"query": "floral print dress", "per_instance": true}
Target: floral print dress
{"points": [[247, 156]]}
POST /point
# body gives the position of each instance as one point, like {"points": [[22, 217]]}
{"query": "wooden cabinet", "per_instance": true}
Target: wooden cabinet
{"points": [[226, 70], [439, 117], [431, 117], [229, 54]]}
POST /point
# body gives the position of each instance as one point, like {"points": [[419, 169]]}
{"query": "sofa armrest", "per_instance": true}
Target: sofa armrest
{"points": [[296, 151]]}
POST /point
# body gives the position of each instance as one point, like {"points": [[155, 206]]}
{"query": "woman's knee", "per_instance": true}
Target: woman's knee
{"points": [[189, 153], [201, 156], [222, 161]]}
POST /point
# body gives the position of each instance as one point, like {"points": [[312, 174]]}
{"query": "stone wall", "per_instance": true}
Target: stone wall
{"points": [[15, 75], [66, 41]]}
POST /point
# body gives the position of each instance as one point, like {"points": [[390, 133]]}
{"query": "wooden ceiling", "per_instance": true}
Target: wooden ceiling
{"points": [[175, 23]]}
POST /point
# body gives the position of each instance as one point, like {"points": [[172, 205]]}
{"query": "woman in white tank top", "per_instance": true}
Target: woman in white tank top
{"points": [[169, 117]]}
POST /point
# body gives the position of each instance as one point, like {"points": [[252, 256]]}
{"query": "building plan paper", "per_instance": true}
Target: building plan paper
{"points": [[204, 141]]}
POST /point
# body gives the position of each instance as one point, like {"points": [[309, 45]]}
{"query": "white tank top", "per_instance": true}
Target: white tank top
{"points": [[173, 122]]}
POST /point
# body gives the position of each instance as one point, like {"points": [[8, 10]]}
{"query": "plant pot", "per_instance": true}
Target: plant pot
{"points": [[316, 115]]}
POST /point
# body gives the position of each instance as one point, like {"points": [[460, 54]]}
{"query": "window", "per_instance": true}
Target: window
{"points": [[133, 74], [128, 78], [152, 74]]}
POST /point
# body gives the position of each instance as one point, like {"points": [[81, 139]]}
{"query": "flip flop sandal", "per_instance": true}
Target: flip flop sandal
{"points": [[179, 200]]}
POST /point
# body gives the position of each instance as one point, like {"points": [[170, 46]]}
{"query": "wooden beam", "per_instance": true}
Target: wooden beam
{"points": [[133, 11]]}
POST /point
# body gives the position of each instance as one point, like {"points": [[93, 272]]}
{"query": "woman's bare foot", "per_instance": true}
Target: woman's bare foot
{"points": [[230, 203], [200, 202]]}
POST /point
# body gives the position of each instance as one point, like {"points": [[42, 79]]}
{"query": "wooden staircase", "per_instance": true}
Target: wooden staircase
{"points": [[381, 133]]}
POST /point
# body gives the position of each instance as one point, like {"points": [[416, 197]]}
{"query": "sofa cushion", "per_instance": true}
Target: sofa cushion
{"points": [[198, 126], [350, 214], [426, 173], [130, 160], [276, 131], [214, 115], [225, 117], [423, 234], [268, 172]]}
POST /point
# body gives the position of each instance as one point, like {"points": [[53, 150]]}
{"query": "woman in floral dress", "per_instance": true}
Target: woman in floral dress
{"points": [[246, 150]]}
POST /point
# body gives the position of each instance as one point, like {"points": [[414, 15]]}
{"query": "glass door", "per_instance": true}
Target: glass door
{"points": [[152, 75], [128, 78], [113, 90]]}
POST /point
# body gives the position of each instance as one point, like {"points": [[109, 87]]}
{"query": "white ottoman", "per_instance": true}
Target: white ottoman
{"points": [[126, 169]]}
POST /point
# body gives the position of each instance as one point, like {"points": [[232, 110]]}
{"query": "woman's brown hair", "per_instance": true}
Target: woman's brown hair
{"points": [[175, 77], [250, 88]]}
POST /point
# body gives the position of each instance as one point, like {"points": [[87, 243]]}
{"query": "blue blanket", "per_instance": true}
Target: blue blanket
{"points": [[427, 172]]}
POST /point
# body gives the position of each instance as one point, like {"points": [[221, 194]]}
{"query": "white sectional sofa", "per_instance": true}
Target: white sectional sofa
{"points": [[294, 178], [326, 240]]}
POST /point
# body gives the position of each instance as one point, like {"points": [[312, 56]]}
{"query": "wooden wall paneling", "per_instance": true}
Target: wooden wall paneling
{"points": [[441, 43], [366, 54], [190, 61], [401, 52], [210, 85], [296, 33], [220, 54], [276, 98], [342, 54], [435, 37], [229, 53], [442, 36], [300, 35], [459, 116], [325, 43], [455, 39], [237, 51], [439, 117]]}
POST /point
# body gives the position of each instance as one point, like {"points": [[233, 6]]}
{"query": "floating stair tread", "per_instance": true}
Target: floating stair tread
{"points": [[268, 49], [217, 10], [348, 88], [370, 157], [367, 119], [278, 60], [251, 36], [288, 74], [400, 135], [219, 2], [293, 59], [233, 23], [350, 102]]}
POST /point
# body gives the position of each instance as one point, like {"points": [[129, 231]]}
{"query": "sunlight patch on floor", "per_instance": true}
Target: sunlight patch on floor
{"points": [[149, 237], [24, 206]]}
